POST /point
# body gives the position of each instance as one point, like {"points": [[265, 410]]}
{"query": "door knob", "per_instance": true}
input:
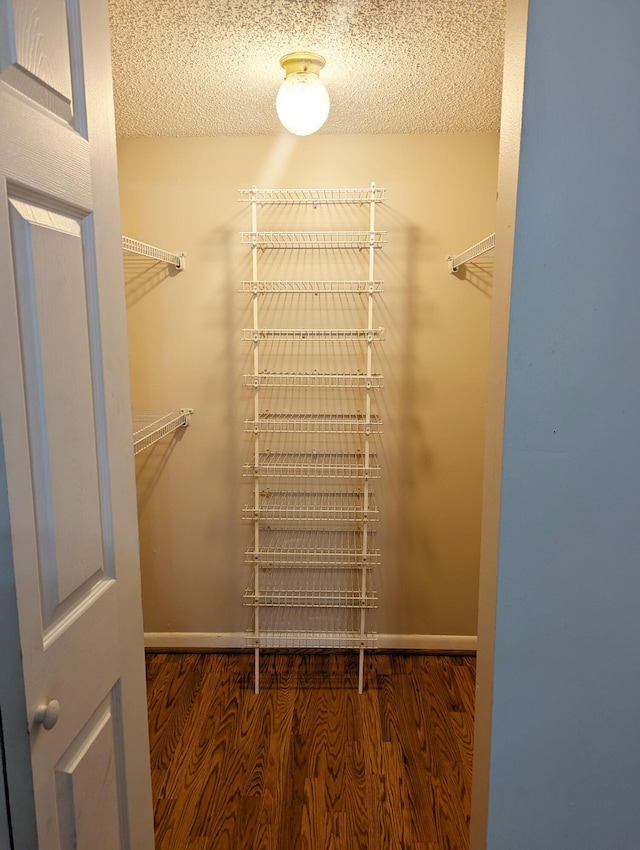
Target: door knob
{"points": [[48, 715]]}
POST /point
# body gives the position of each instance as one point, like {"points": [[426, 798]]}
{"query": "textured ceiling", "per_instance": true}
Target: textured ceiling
{"points": [[211, 67]]}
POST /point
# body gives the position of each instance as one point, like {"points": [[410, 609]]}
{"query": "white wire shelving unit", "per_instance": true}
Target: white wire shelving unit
{"points": [[141, 249], [484, 247], [148, 428], [313, 508]]}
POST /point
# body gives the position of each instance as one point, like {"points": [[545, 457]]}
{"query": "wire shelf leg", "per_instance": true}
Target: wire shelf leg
{"points": [[256, 671]]}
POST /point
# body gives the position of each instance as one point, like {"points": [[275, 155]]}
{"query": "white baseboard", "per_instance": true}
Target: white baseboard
{"points": [[195, 640], [428, 643], [237, 640]]}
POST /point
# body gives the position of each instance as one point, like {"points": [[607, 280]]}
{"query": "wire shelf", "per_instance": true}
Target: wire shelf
{"points": [[300, 506], [132, 246], [313, 334], [295, 465], [314, 238], [290, 548], [295, 639], [310, 599], [302, 588], [314, 379], [313, 196], [482, 247], [311, 287], [148, 428], [313, 423]]}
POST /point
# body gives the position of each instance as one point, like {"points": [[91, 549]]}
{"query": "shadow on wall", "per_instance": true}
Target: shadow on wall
{"points": [[150, 464], [478, 273], [221, 250], [407, 314], [141, 275]]}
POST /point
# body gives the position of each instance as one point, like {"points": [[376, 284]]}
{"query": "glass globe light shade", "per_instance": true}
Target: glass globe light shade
{"points": [[302, 103]]}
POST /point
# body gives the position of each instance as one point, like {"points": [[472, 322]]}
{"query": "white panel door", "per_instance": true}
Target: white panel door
{"points": [[65, 416]]}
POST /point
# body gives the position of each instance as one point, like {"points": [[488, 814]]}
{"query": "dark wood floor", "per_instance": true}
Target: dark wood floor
{"points": [[309, 763]]}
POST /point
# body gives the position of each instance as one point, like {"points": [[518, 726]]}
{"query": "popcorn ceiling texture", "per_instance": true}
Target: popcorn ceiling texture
{"points": [[211, 67]]}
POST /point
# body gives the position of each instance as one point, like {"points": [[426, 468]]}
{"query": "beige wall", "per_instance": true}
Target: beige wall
{"points": [[185, 350]]}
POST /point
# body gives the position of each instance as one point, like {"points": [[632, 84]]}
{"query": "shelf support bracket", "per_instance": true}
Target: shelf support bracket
{"points": [[454, 262]]}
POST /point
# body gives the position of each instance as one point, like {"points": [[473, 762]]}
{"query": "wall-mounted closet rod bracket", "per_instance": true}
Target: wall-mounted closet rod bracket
{"points": [[476, 250], [133, 246]]}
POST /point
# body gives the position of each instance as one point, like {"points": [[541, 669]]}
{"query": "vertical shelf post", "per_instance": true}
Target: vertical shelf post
{"points": [[256, 444], [367, 440]]}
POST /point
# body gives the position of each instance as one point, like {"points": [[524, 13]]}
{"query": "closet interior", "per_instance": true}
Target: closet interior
{"points": [[415, 100], [322, 508], [194, 335]]}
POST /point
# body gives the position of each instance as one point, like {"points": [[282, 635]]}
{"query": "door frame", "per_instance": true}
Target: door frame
{"points": [[509, 161], [13, 711]]}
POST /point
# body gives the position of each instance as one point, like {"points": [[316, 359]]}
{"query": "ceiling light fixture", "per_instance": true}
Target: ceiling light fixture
{"points": [[302, 103]]}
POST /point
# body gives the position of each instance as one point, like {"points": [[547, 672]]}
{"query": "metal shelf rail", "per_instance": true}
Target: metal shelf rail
{"points": [[314, 548], [298, 639], [482, 247], [313, 334], [314, 379], [148, 428], [312, 196], [314, 506], [313, 465], [311, 598], [314, 238], [295, 548], [133, 246], [311, 287], [313, 423]]}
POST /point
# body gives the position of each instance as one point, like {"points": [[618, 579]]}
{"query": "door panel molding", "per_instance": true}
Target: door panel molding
{"points": [[34, 54], [89, 784], [49, 271]]}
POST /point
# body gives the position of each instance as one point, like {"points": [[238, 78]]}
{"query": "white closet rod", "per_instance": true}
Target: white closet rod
{"points": [[471, 253], [133, 246]]}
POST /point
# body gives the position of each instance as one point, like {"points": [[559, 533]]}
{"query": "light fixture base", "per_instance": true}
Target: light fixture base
{"points": [[302, 62]]}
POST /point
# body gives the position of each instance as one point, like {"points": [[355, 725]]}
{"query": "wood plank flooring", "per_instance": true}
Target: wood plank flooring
{"points": [[309, 764]]}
